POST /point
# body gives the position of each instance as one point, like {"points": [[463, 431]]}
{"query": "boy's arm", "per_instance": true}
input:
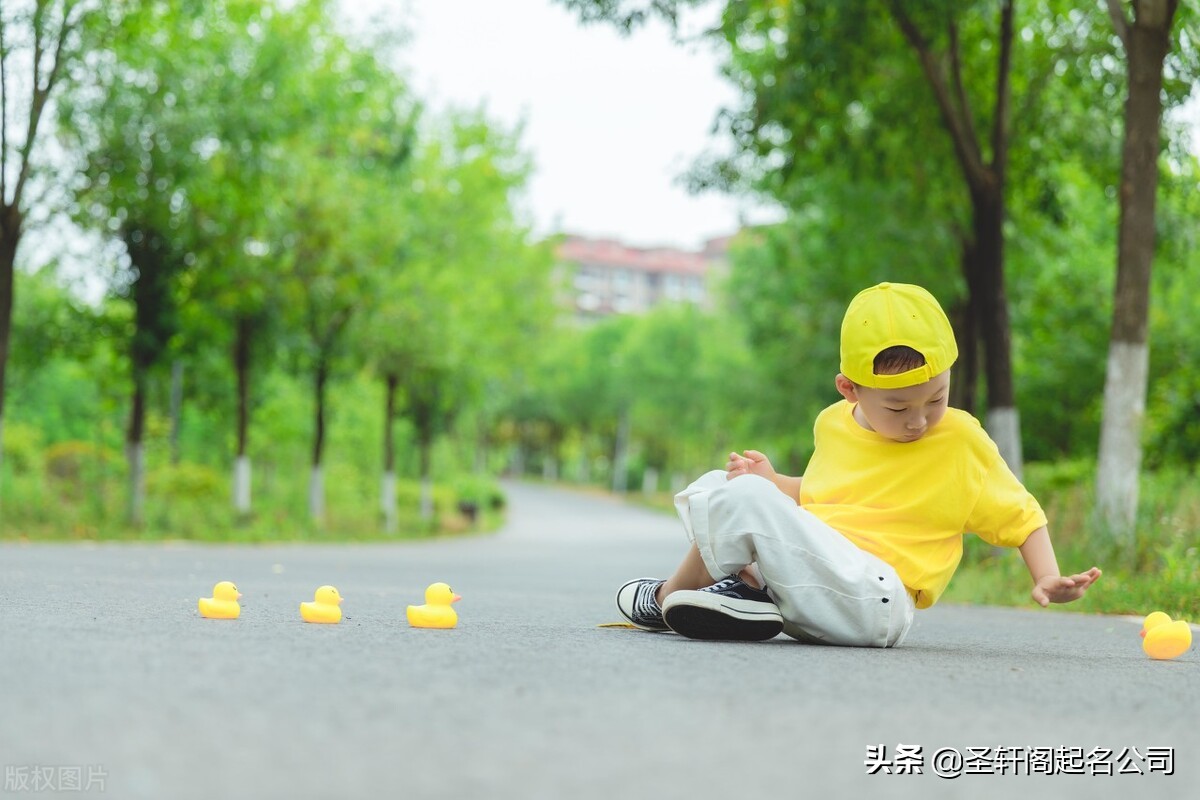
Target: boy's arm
{"points": [[1048, 585], [752, 462]]}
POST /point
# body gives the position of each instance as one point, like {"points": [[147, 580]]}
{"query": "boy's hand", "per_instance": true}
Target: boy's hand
{"points": [[751, 462], [1063, 589]]}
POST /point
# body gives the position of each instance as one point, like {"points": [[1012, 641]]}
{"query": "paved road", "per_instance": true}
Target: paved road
{"points": [[105, 665]]}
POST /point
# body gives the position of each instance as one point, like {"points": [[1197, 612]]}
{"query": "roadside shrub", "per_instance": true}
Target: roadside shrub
{"points": [[73, 461], [187, 481], [22, 448]]}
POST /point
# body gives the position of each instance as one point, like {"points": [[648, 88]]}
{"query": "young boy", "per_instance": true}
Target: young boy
{"points": [[874, 528]]}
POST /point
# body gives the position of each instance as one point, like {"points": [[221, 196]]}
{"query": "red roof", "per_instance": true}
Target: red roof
{"points": [[611, 253]]}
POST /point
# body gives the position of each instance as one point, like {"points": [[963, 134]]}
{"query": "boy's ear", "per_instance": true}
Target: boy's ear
{"points": [[846, 387]]}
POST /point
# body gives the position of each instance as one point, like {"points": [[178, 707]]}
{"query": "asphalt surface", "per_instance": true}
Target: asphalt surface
{"points": [[111, 683]]}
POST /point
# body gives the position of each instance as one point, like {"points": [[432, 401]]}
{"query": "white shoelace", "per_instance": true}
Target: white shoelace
{"points": [[645, 605], [722, 585]]}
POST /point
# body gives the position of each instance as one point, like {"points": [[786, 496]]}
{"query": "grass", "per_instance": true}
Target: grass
{"points": [[192, 503]]}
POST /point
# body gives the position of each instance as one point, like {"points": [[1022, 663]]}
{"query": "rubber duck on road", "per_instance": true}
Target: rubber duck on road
{"points": [[223, 604], [324, 607], [1163, 638], [436, 613]]}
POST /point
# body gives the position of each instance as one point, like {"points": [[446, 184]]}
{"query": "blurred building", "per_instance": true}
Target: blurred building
{"points": [[604, 276]]}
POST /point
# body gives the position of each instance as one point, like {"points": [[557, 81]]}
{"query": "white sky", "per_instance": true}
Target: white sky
{"points": [[611, 121]]}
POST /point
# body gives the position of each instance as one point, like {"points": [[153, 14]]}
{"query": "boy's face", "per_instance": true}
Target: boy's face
{"points": [[903, 415]]}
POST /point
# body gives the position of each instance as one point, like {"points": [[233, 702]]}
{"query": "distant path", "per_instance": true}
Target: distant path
{"points": [[105, 663]]}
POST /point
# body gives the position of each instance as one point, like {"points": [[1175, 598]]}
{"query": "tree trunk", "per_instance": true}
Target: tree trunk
{"points": [[176, 407], [483, 446], [964, 387], [387, 493], [135, 450], [10, 237], [983, 259], [316, 494], [426, 467], [241, 486], [991, 302], [316, 486], [243, 332], [620, 473], [155, 322], [1147, 42]]}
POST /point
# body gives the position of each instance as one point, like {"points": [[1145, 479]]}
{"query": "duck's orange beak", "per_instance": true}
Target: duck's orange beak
{"points": [[454, 598], [1142, 633]]}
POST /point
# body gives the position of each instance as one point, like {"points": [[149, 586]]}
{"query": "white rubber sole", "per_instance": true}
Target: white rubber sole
{"points": [[625, 596]]}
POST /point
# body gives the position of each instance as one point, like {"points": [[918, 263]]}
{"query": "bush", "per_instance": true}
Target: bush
{"points": [[481, 491], [1047, 477], [408, 497], [186, 481], [73, 461], [22, 448]]}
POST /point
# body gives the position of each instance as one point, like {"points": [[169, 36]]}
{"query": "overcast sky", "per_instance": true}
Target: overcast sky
{"points": [[611, 121]]}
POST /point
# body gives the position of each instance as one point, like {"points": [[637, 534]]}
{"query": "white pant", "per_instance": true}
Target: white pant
{"points": [[828, 590]]}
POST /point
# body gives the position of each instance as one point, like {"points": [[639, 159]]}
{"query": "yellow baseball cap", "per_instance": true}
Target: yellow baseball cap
{"points": [[892, 314]]}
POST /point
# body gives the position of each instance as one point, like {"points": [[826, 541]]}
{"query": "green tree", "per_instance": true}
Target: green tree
{"points": [[138, 140], [465, 294], [338, 233], [259, 95], [38, 40]]}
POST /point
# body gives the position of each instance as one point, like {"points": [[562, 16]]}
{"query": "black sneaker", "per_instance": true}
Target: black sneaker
{"points": [[636, 602], [729, 609]]}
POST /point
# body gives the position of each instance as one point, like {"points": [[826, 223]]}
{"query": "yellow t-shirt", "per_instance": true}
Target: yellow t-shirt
{"points": [[910, 502]]}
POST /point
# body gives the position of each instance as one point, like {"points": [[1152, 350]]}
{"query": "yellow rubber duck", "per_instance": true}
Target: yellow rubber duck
{"points": [[436, 613], [1163, 638], [223, 604], [324, 607]]}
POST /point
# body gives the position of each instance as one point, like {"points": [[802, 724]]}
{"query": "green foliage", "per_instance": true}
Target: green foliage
{"points": [[480, 491], [1059, 348], [71, 463], [74, 489], [1161, 576], [187, 482], [23, 448]]}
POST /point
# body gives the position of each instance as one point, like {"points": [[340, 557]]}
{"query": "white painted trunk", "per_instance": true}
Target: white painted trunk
{"points": [[316, 495], [481, 456], [387, 502], [550, 469], [650, 481], [136, 454], [679, 482], [241, 485], [1120, 458], [585, 468], [620, 475], [426, 498], [1004, 426]]}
